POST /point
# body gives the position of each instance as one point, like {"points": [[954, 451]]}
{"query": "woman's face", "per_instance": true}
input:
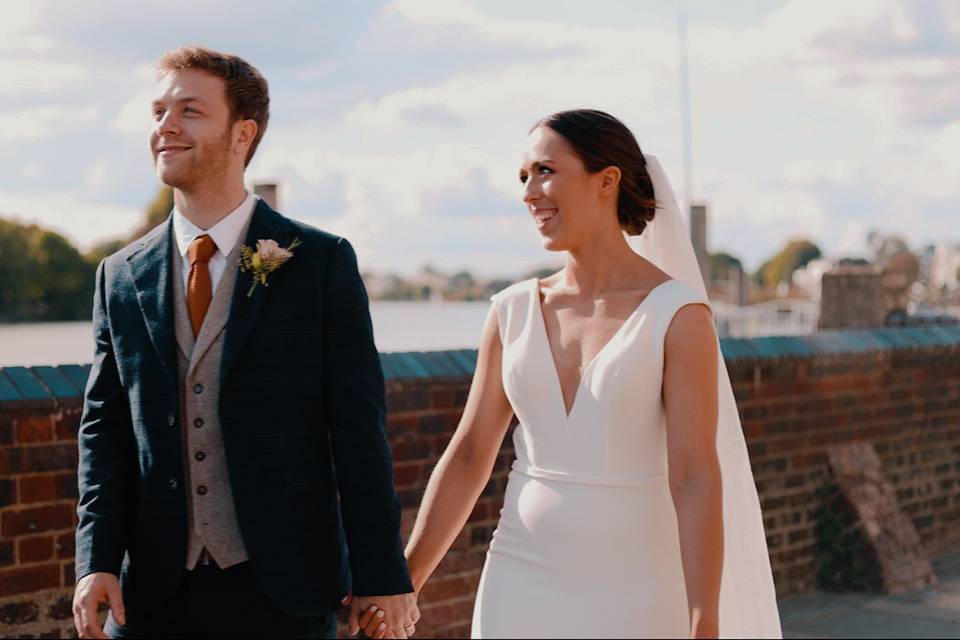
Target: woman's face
{"points": [[563, 198]]}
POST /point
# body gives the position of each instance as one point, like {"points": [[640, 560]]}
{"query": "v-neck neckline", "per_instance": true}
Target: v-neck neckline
{"points": [[586, 370]]}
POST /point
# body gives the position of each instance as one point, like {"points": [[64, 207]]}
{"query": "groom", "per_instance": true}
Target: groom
{"points": [[235, 478]]}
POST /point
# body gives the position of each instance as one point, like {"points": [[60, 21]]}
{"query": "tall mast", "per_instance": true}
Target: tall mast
{"points": [[685, 100]]}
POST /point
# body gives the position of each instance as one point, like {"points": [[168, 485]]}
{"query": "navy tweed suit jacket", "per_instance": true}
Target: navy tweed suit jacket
{"points": [[302, 414]]}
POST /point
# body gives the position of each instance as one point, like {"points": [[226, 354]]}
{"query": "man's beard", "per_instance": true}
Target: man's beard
{"points": [[208, 166]]}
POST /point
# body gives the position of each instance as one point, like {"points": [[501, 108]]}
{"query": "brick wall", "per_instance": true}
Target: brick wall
{"points": [[896, 388]]}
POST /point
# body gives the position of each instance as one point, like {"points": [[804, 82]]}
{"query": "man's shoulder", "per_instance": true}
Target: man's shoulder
{"points": [[316, 241], [118, 258]]}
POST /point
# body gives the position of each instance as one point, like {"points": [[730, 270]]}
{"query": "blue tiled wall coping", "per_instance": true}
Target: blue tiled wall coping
{"points": [[65, 383]]}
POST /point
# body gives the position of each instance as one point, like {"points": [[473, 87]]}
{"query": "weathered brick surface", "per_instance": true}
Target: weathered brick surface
{"points": [[906, 403]]}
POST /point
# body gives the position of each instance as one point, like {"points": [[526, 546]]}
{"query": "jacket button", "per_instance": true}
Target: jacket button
{"points": [[173, 484], [198, 388], [171, 420], [200, 455], [198, 422], [201, 490]]}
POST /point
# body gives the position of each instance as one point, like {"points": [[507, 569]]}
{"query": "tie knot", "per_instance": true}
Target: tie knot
{"points": [[201, 249]]}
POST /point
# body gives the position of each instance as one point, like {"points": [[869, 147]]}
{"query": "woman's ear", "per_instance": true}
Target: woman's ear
{"points": [[609, 181]]}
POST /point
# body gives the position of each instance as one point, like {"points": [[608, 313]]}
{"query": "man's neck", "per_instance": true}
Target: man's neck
{"points": [[206, 207]]}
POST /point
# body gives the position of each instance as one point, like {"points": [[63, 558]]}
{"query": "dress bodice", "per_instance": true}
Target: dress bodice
{"points": [[615, 432]]}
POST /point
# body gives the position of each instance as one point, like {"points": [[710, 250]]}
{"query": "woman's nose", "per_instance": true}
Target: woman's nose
{"points": [[531, 191]]}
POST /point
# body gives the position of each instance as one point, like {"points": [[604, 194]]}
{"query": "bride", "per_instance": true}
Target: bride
{"points": [[630, 510]]}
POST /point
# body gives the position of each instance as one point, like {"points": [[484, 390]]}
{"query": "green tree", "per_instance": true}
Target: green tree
{"points": [[721, 264], [157, 211], [780, 267], [42, 276]]}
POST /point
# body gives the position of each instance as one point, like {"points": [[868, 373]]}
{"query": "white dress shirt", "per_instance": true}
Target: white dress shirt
{"points": [[225, 235]]}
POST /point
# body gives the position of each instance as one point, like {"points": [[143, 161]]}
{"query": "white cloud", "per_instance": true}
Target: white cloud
{"points": [[24, 76], [40, 122], [794, 116], [80, 219]]}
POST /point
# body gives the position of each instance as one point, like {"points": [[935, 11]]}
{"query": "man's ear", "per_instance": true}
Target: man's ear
{"points": [[243, 135]]}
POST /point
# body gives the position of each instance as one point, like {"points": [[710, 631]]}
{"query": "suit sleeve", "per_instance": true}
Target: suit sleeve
{"points": [[356, 414], [107, 469]]}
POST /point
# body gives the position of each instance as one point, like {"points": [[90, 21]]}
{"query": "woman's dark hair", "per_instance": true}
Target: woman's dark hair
{"points": [[602, 141]]}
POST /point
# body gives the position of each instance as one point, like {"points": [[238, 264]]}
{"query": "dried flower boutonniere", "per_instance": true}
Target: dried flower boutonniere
{"points": [[268, 257]]}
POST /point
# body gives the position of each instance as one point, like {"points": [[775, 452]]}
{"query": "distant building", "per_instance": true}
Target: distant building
{"points": [[268, 192], [777, 317], [808, 278], [944, 266], [851, 297], [698, 236]]}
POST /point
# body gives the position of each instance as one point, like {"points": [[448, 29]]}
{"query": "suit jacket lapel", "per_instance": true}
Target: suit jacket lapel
{"points": [[264, 224], [219, 312], [184, 333], [152, 278]]}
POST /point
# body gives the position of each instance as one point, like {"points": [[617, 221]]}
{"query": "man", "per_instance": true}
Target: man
{"points": [[232, 445]]}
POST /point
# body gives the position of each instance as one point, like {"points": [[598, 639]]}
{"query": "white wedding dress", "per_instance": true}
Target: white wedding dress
{"points": [[587, 544]]}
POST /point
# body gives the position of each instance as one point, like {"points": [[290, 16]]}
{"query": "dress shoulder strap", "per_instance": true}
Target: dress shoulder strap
{"points": [[676, 294], [514, 308]]}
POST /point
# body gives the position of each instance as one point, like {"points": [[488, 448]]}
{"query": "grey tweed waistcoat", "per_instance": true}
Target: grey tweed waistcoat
{"points": [[212, 518]]}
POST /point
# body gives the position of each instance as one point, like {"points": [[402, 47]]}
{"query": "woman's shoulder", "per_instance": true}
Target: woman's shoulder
{"points": [[680, 292], [516, 291]]}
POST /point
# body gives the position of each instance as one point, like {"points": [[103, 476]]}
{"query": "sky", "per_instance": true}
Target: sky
{"points": [[400, 124]]}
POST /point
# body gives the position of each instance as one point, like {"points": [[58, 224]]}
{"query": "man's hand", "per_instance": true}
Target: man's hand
{"points": [[384, 616], [93, 589]]}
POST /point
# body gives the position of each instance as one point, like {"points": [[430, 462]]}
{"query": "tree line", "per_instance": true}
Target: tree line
{"points": [[43, 277]]}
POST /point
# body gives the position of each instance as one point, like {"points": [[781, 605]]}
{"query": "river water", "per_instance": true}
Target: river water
{"points": [[397, 326]]}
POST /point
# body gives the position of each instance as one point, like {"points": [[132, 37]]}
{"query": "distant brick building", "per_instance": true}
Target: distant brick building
{"points": [[851, 297]]}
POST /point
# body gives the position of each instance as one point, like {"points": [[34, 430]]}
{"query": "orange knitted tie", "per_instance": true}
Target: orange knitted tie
{"points": [[199, 285]]}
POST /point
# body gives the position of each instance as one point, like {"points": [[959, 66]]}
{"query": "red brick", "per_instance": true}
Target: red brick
{"points": [[34, 549], [463, 561], [443, 398], [33, 429], [408, 474], [67, 425], [69, 575], [446, 614], [6, 431], [65, 485], [8, 492], [37, 459], [8, 556], [65, 545], [29, 579], [410, 450], [36, 488], [449, 588], [36, 520]]}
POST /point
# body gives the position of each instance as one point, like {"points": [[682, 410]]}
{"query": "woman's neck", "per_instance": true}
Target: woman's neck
{"points": [[607, 263]]}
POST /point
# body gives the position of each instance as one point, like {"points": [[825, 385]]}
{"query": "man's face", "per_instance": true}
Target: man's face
{"points": [[191, 143]]}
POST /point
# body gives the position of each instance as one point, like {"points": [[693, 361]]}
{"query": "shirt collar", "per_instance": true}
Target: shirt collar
{"points": [[225, 233]]}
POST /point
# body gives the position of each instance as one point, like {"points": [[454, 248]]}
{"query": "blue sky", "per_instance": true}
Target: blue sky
{"points": [[399, 124]]}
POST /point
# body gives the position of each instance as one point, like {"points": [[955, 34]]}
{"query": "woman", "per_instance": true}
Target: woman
{"points": [[630, 510]]}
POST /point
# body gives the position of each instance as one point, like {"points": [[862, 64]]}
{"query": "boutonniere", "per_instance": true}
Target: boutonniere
{"points": [[268, 257]]}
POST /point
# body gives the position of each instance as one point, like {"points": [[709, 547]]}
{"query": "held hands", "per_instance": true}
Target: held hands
{"points": [[93, 589], [384, 616]]}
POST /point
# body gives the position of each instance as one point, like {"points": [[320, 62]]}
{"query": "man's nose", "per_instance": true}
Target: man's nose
{"points": [[168, 124]]}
